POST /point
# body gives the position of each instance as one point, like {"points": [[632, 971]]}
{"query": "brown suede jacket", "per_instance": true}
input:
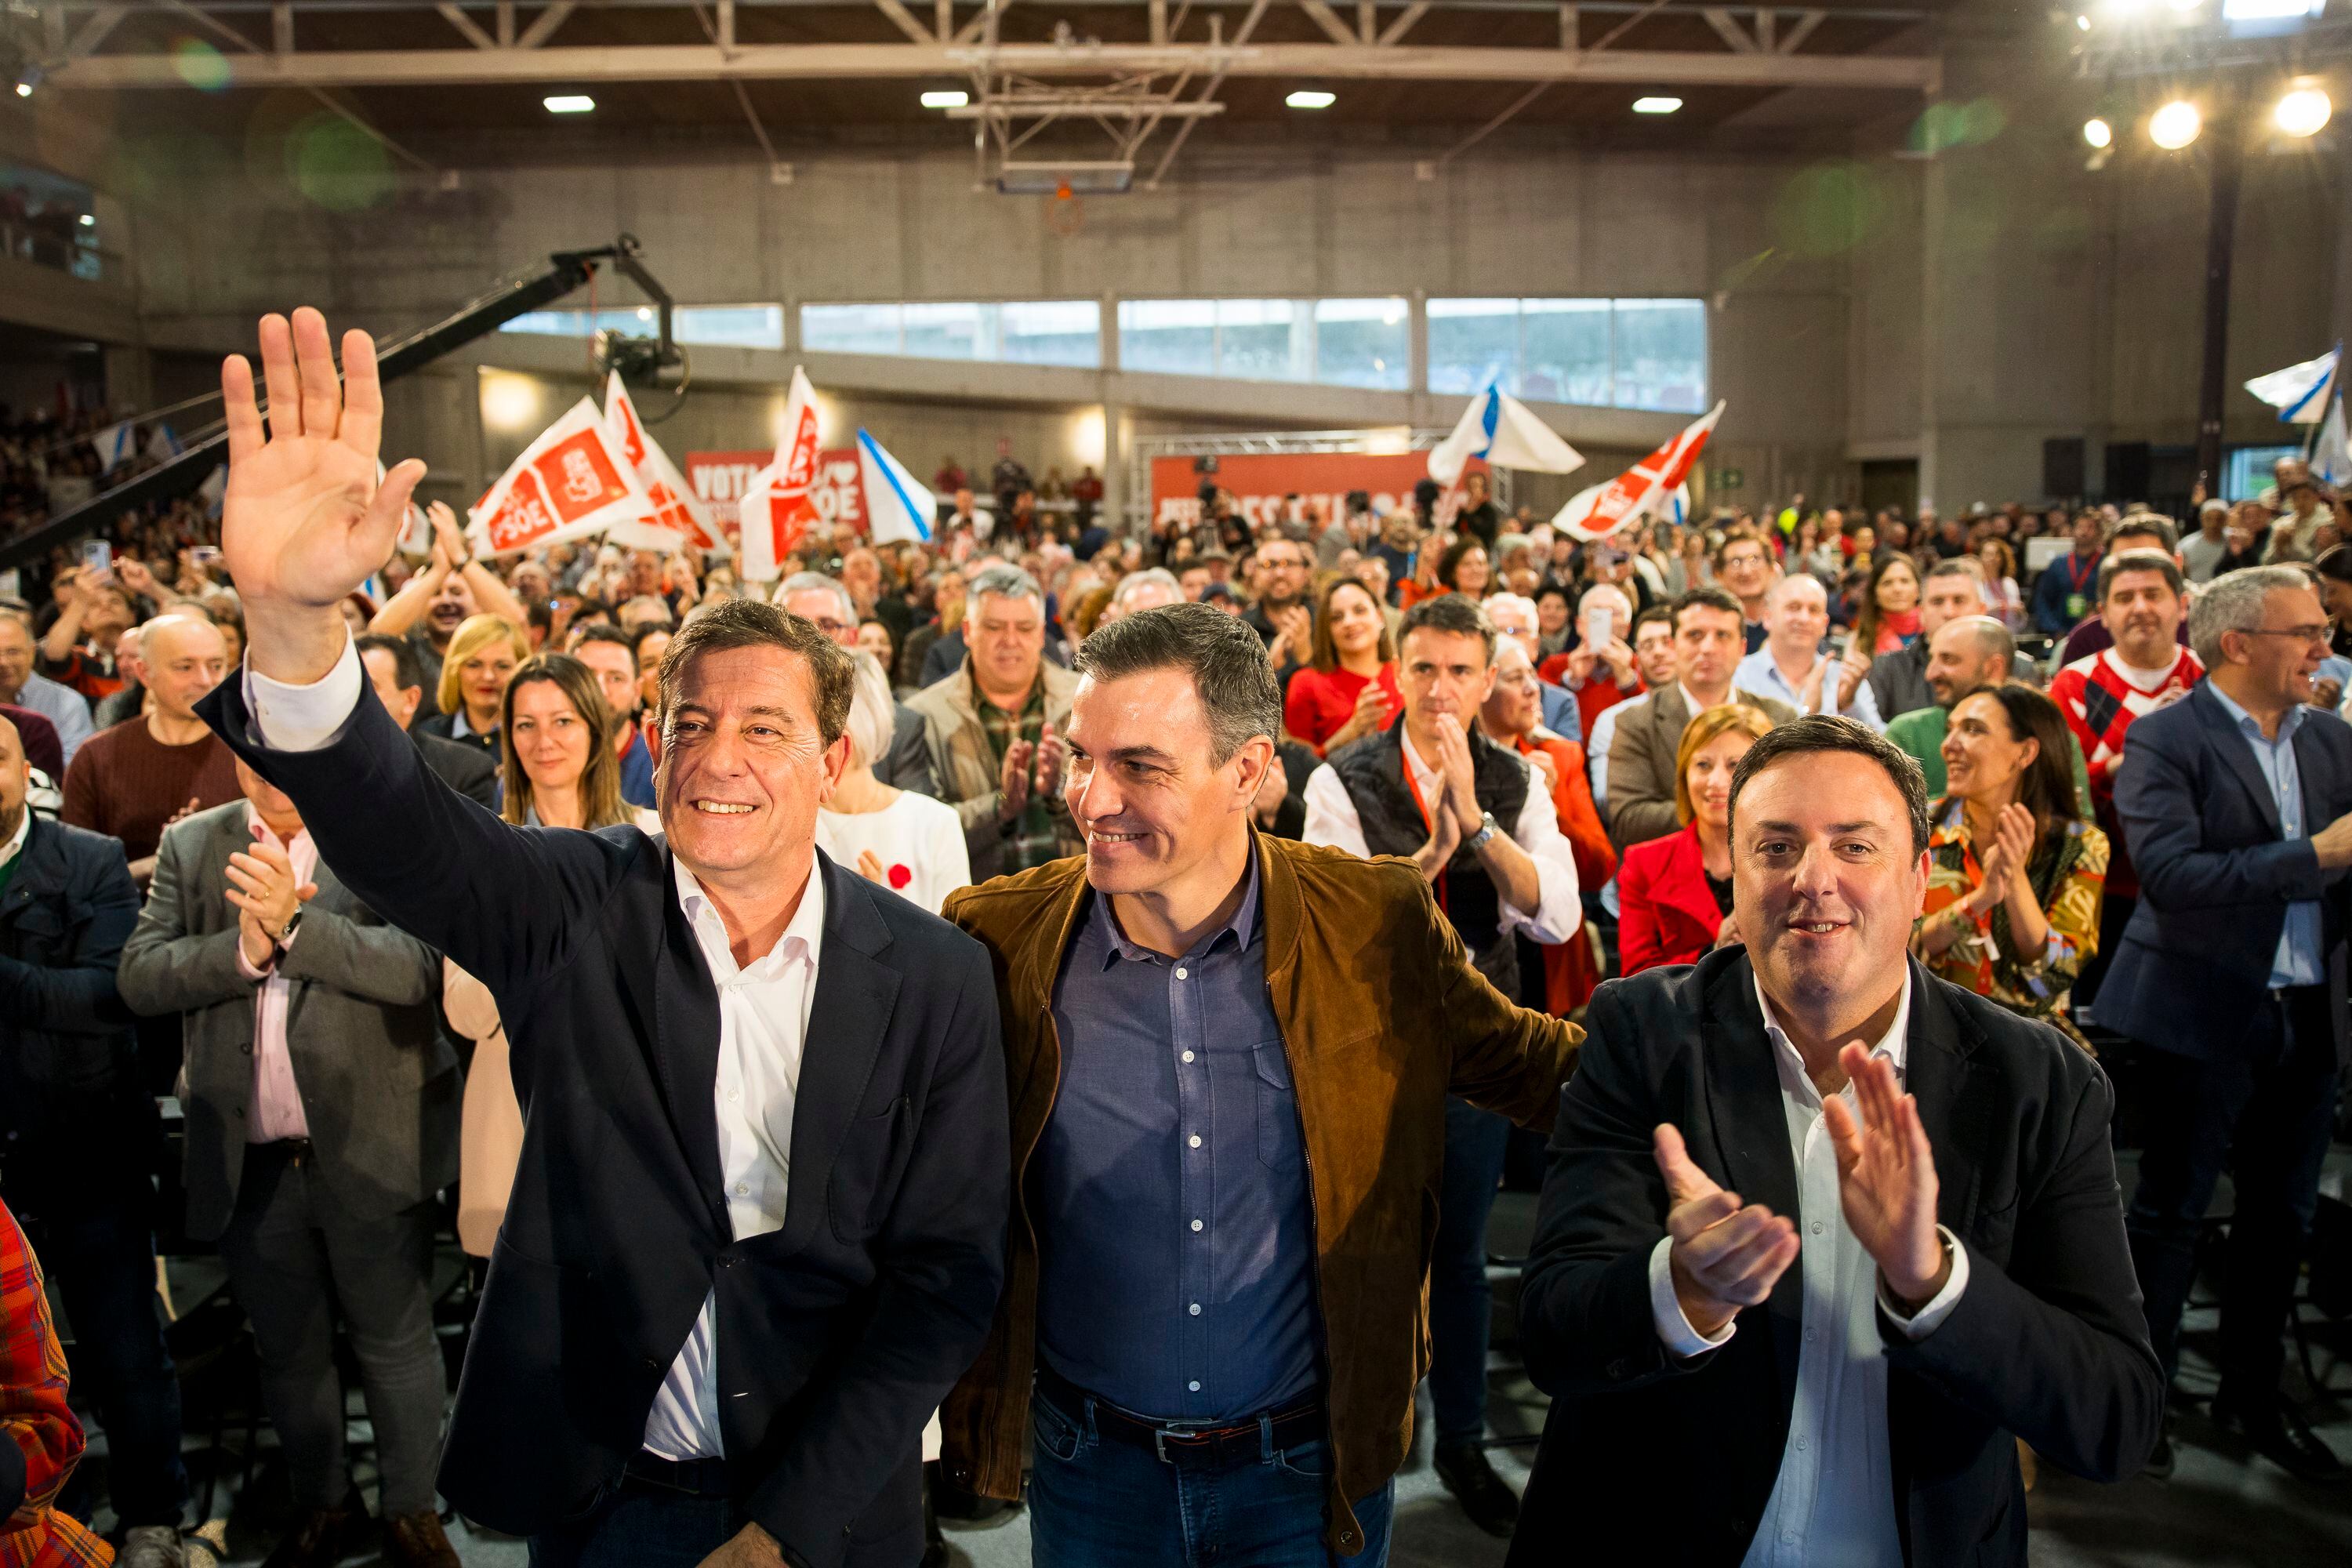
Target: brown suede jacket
{"points": [[1383, 1017]]}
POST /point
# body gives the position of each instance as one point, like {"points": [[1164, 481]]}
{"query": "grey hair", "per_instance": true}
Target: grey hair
{"points": [[2233, 603], [817, 583], [1154, 574], [1005, 581], [1239, 696], [1494, 602], [873, 711]]}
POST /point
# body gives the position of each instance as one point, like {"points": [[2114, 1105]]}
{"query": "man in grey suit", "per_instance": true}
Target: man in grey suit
{"points": [[1709, 643], [323, 1115]]}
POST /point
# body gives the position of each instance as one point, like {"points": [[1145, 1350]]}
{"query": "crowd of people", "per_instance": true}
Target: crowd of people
{"points": [[1798, 776]]}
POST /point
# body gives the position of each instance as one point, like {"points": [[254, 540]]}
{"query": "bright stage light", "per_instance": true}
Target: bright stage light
{"points": [[2303, 112], [2175, 125], [2098, 133]]}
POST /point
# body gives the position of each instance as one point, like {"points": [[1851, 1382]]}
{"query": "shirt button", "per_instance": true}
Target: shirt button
{"points": [[1817, 1227], [1804, 1444], [1194, 1141], [741, 1190], [1187, 1055], [733, 1095], [1196, 1225], [1196, 1308], [1183, 973], [1194, 1387], [1789, 1536]]}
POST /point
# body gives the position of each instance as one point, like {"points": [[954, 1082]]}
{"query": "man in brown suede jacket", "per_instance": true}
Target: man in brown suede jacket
{"points": [[1228, 1058]]}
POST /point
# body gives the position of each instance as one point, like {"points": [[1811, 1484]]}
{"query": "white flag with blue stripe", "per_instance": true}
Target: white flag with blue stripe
{"points": [[2331, 454], [897, 507], [1501, 429], [117, 444], [2300, 392]]}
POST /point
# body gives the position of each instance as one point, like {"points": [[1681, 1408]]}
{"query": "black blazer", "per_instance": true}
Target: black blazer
{"points": [[471, 770], [68, 1060], [1649, 1458], [838, 1334], [2191, 975]]}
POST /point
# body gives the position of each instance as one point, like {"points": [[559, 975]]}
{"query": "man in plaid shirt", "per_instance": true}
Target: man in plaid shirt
{"points": [[44, 1440], [2142, 600]]}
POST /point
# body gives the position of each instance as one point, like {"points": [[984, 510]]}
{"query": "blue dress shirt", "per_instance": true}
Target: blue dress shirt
{"points": [[637, 771], [2297, 963], [1176, 1241]]}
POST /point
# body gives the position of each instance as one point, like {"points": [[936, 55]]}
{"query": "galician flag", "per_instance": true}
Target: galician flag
{"points": [[1500, 428], [898, 508], [2331, 455], [2300, 392], [776, 508], [1645, 487]]}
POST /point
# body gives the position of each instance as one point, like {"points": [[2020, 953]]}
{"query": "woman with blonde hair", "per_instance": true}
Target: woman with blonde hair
{"points": [[484, 653]]}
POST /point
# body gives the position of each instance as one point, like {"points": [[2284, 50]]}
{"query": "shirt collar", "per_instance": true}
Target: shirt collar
{"points": [[2250, 726], [1242, 925], [15, 845], [1894, 1044], [254, 823], [804, 938]]}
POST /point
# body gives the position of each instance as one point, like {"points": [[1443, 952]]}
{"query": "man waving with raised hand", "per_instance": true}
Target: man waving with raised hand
{"points": [[758, 1224]]}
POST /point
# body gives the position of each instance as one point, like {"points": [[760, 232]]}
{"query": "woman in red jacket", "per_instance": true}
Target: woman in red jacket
{"points": [[1348, 687], [1673, 894]]}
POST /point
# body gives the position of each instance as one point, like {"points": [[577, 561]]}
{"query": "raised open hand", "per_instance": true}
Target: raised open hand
{"points": [[1886, 1178], [304, 520], [1725, 1253]]}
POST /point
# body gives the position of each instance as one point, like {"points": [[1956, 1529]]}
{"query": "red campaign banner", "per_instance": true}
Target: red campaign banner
{"points": [[719, 480], [1259, 480]]}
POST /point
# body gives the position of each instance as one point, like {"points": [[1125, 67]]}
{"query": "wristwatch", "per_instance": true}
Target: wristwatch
{"points": [[1486, 830], [286, 934]]}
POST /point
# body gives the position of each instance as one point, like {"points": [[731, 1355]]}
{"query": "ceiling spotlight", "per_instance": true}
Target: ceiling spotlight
{"points": [[2175, 125], [569, 103], [1656, 105], [89, 221], [1311, 98], [2184, 6], [2098, 133], [946, 98], [2083, 24], [2303, 111], [24, 90]]}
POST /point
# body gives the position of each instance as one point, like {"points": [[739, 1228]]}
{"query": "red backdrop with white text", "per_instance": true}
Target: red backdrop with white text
{"points": [[1260, 479]]}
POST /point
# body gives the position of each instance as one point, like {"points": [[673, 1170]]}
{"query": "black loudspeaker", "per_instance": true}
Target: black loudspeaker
{"points": [[2061, 467], [2127, 471]]}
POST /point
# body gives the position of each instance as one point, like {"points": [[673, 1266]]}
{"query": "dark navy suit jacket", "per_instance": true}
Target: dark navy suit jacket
{"points": [[837, 1334], [2191, 975]]}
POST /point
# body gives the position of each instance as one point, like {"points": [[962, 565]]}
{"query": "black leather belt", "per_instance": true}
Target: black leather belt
{"points": [[293, 1150], [1218, 1447], [695, 1477]]}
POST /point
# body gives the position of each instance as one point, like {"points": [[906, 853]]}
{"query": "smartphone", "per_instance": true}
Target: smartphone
{"points": [[1600, 627], [205, 555], [97, 558]]}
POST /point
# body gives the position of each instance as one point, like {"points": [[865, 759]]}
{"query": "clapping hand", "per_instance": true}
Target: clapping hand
{"points": [[303, 521], [1725, 1253], [1461, 776], [1053, 752], [2003, 862], [449, 545], [263, 889], [1013, 780], [1886, 1179], [1850, 669]]}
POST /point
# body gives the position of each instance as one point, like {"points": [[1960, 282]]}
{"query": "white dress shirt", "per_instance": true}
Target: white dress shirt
{"points": [[1332, 819], [1833, 1503], [1596, 748], [764, 1012]]}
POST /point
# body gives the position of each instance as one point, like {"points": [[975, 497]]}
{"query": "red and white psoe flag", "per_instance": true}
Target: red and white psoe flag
{"points": [[777, 506], [571, 482], [677, 515], [1598, 513]]}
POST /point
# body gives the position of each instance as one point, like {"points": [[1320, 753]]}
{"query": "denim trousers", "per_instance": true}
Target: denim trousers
{"points": [[1097, 1503]]}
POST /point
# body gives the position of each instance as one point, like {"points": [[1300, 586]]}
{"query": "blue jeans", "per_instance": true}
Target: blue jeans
{"points": [[1461, 1302], [639, 1526], [1098, 1504]]}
